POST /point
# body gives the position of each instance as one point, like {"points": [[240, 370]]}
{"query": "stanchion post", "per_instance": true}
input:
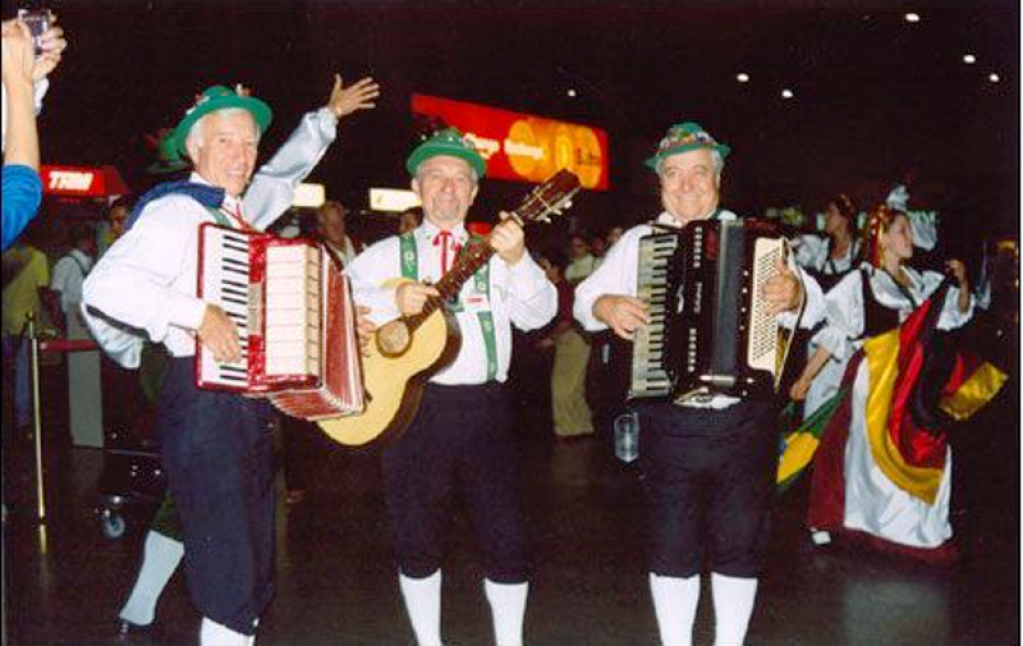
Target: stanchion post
{"points": [[38, 418]]}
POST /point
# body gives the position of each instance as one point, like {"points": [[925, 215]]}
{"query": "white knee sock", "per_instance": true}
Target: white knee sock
{"points": [[508, 607], [160, 557], [733, 605], [213, 634], [675, 601], [422, 601]]}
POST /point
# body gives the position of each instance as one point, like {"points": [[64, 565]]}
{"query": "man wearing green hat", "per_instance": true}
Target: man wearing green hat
{"points": [[460, 440], [215, 445], [708, 465]]}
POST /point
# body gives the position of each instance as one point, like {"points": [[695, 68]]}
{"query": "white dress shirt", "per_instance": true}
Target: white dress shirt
{"points": [[519, 295], [845, 307], [618, 273], [147, 279], [813, 251]]}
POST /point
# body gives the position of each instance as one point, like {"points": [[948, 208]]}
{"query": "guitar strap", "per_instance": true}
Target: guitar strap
{"points": [[481, 279]]}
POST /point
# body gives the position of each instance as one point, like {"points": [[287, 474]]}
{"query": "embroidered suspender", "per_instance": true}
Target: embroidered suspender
{"points": [[481, 280]]}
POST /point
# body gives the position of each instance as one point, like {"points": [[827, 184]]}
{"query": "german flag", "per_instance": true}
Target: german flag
{"points": [[913, 374]]}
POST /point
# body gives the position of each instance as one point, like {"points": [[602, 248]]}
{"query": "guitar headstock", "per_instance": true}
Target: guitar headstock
{"points": [[553, 197]]}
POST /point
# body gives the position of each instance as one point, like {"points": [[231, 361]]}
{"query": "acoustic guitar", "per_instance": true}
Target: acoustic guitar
{"points": [[406, 352]]}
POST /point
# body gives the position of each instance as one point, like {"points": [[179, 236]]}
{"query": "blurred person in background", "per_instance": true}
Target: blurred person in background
{"points": [[409, 219], [570, 412], [614, 235], [63, 301], [581, 261], [831, 256], [598, 247], [331, 229], [26, 273], [114, 225]]}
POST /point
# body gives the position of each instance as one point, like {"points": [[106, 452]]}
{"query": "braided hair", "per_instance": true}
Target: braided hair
{"points": [[878, 222]]}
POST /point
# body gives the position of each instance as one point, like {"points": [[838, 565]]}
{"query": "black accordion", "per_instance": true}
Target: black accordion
{"points": [[708, 333]]}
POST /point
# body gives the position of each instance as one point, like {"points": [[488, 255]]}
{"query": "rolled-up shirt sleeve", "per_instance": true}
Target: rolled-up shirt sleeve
{"points": [[616, 275], [134, 282], [533, 300], [372, 274]]}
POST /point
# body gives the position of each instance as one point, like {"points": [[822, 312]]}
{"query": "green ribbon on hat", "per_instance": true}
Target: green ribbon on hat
{"points": [[683, 137], [449, 141], [216, 98]]}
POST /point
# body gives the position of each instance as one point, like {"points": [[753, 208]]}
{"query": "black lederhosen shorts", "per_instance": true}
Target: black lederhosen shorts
{"points": [[217, 452], [460, 441], [709, 479]]}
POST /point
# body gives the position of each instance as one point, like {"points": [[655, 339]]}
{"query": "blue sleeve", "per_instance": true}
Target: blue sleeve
{"points": [[22, 193]]}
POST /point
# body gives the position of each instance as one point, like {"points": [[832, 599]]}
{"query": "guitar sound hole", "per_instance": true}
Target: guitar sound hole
{"points": [[393, 338]]}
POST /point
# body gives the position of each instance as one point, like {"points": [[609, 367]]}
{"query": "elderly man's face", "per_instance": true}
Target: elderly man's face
{"points": [[689, 185], [446, 187], [331, 222], [226, 156]]}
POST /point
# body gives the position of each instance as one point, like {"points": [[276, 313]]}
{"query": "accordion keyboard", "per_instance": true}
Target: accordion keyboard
{"points": [[649, 377], [225, 282]]}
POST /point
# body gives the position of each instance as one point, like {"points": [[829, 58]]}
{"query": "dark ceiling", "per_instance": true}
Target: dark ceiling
{"points": [[875, 97]]}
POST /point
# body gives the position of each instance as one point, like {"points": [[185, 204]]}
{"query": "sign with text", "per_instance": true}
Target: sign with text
{"points": [[524, 147], [394, 200], [79, 181]]}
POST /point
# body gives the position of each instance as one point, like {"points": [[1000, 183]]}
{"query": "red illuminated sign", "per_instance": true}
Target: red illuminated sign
{"points": [[524, 147], [79, 181]]}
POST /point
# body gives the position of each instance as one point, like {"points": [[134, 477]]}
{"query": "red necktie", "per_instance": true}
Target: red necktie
{"points": [[445, 240], [237, 215]]}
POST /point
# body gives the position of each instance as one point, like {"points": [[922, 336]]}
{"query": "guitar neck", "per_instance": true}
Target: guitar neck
{"points": [[475, 256]]}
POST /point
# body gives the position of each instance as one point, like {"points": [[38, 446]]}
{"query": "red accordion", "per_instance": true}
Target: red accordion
{"points": [[296, 322]]}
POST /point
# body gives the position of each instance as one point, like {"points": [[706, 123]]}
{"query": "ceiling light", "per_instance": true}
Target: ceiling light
{"points": [[994, 78], [912, 17], [742, 77], [969, 59], [787, 94], [571, 92]]}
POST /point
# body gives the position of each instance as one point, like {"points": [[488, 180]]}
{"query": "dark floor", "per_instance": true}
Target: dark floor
{"points": [[336, 584]]}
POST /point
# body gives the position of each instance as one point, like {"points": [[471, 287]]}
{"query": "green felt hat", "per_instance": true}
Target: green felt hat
{"points": [[446, 142], [216, 98], [683, 137], [168, 160]]}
